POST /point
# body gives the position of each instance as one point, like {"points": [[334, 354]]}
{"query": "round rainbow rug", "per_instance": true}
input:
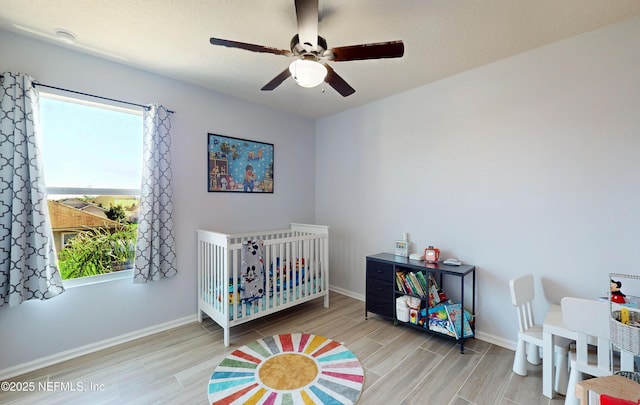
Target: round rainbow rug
{"points": [[296, 368]]}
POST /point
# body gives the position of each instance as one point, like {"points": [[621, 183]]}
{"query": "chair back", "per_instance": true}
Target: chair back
{"points": [[590, 320], [522, 293]]}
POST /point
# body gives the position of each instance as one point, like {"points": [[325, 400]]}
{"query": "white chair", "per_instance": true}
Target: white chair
{"points": [[530, 334], [590, 320]]}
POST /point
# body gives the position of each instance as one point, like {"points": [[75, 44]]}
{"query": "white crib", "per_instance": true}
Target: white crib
{"points": [[296, 271]]}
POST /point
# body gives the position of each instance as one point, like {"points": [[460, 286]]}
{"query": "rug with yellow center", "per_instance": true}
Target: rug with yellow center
{"points": [[289, 369]]}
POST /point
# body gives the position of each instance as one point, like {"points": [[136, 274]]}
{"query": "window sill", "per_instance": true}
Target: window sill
{"points": [[102, 278]]}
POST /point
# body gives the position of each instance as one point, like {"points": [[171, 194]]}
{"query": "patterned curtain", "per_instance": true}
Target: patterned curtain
{"points": [[28, 262], [155, 250]]}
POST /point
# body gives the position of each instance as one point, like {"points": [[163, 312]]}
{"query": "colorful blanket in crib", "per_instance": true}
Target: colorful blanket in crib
{"points": [[276, 299], [252, 271], [294, 275]]}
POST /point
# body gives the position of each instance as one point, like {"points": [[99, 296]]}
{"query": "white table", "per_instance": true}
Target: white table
{"points": [[554, 326]]}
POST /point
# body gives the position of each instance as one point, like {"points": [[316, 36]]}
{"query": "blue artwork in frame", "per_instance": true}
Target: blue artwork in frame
{"points": [[239, 165]]}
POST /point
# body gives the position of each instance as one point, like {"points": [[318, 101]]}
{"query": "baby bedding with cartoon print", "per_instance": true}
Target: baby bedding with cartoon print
{"points": [[252, 277]]}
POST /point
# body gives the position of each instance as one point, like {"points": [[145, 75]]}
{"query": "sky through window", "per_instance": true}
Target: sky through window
{"points": [[89, 147]]}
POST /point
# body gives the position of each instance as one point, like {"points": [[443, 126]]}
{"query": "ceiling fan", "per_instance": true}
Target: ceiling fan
{"points": [[310, 50]]}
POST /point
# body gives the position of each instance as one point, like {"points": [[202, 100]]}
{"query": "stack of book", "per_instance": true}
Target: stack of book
{"points": [[412, 283], [451, 320], [441, 315]]}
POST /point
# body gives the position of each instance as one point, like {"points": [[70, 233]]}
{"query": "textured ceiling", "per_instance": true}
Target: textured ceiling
{"points": [[442, 38]]}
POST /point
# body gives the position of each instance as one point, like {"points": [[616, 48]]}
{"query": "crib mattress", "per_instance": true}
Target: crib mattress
{"points": [[280, 297]]}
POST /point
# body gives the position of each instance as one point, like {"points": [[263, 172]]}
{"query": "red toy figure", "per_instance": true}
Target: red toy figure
{"points": [[616, 295]]}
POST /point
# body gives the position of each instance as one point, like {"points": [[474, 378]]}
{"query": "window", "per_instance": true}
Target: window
{"points": [[66, 238], [92, 159]]}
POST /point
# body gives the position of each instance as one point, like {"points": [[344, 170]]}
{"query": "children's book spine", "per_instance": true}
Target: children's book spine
{"points": [[407, 286], [423, 291], [410, 280], [399, 282], [423, 282]]}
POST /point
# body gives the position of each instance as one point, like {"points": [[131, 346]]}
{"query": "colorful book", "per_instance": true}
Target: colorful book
{"points": [[415, 285], [432, 282], [399, 282], [403, 282], [423, 281], [439, 311], [407, 276], [433, 296], [438, 320], [458, 320], [407, 285], [423, 291]]}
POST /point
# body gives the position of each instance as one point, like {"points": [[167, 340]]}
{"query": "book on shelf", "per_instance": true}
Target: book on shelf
{"points": [[406, 287], [435, 294], [423, 282], [433, 297], [407, 284], [432, 281], [399, 282], [415, 284], [439, 320], [458, 320], [407, 276]]}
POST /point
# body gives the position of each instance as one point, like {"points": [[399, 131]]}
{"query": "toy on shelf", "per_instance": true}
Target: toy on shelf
{"points": [[616, 295], [431, 254]]}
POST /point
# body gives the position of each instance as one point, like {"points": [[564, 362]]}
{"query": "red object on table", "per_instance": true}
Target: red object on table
{"points": [[609, 400]]}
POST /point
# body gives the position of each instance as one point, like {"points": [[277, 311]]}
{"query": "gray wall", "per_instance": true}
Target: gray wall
{"points": [[89, 314], [527, 165]]}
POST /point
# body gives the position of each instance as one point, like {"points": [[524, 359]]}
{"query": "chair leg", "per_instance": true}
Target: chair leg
{"points": [[574, 377], [520, 359], [533, 354], [561, 372]]}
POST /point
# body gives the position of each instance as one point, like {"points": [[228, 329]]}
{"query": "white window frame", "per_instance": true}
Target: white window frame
{"points": [[114, 106], [66, 237]]}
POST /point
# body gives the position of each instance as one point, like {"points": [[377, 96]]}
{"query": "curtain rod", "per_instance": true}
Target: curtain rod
{"points": [[93, 95]]}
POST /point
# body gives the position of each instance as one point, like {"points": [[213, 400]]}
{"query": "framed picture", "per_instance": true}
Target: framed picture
{"points": [[239, 165]]}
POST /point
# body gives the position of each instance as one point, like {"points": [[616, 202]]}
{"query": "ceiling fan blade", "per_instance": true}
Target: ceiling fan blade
{"points": [[276, 81], [307, 15], [249, 47], [338, 82], [380, 50]]}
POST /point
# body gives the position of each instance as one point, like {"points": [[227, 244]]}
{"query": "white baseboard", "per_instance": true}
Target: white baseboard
{"points": [[496, 340], [93, 347], [348, 293]]}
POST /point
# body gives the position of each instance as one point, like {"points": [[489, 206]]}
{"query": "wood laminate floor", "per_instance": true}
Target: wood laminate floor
{"points": [[402, 365]]}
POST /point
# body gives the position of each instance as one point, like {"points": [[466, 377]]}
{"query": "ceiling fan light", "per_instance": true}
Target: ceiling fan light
{"points": [[307, 73]]}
